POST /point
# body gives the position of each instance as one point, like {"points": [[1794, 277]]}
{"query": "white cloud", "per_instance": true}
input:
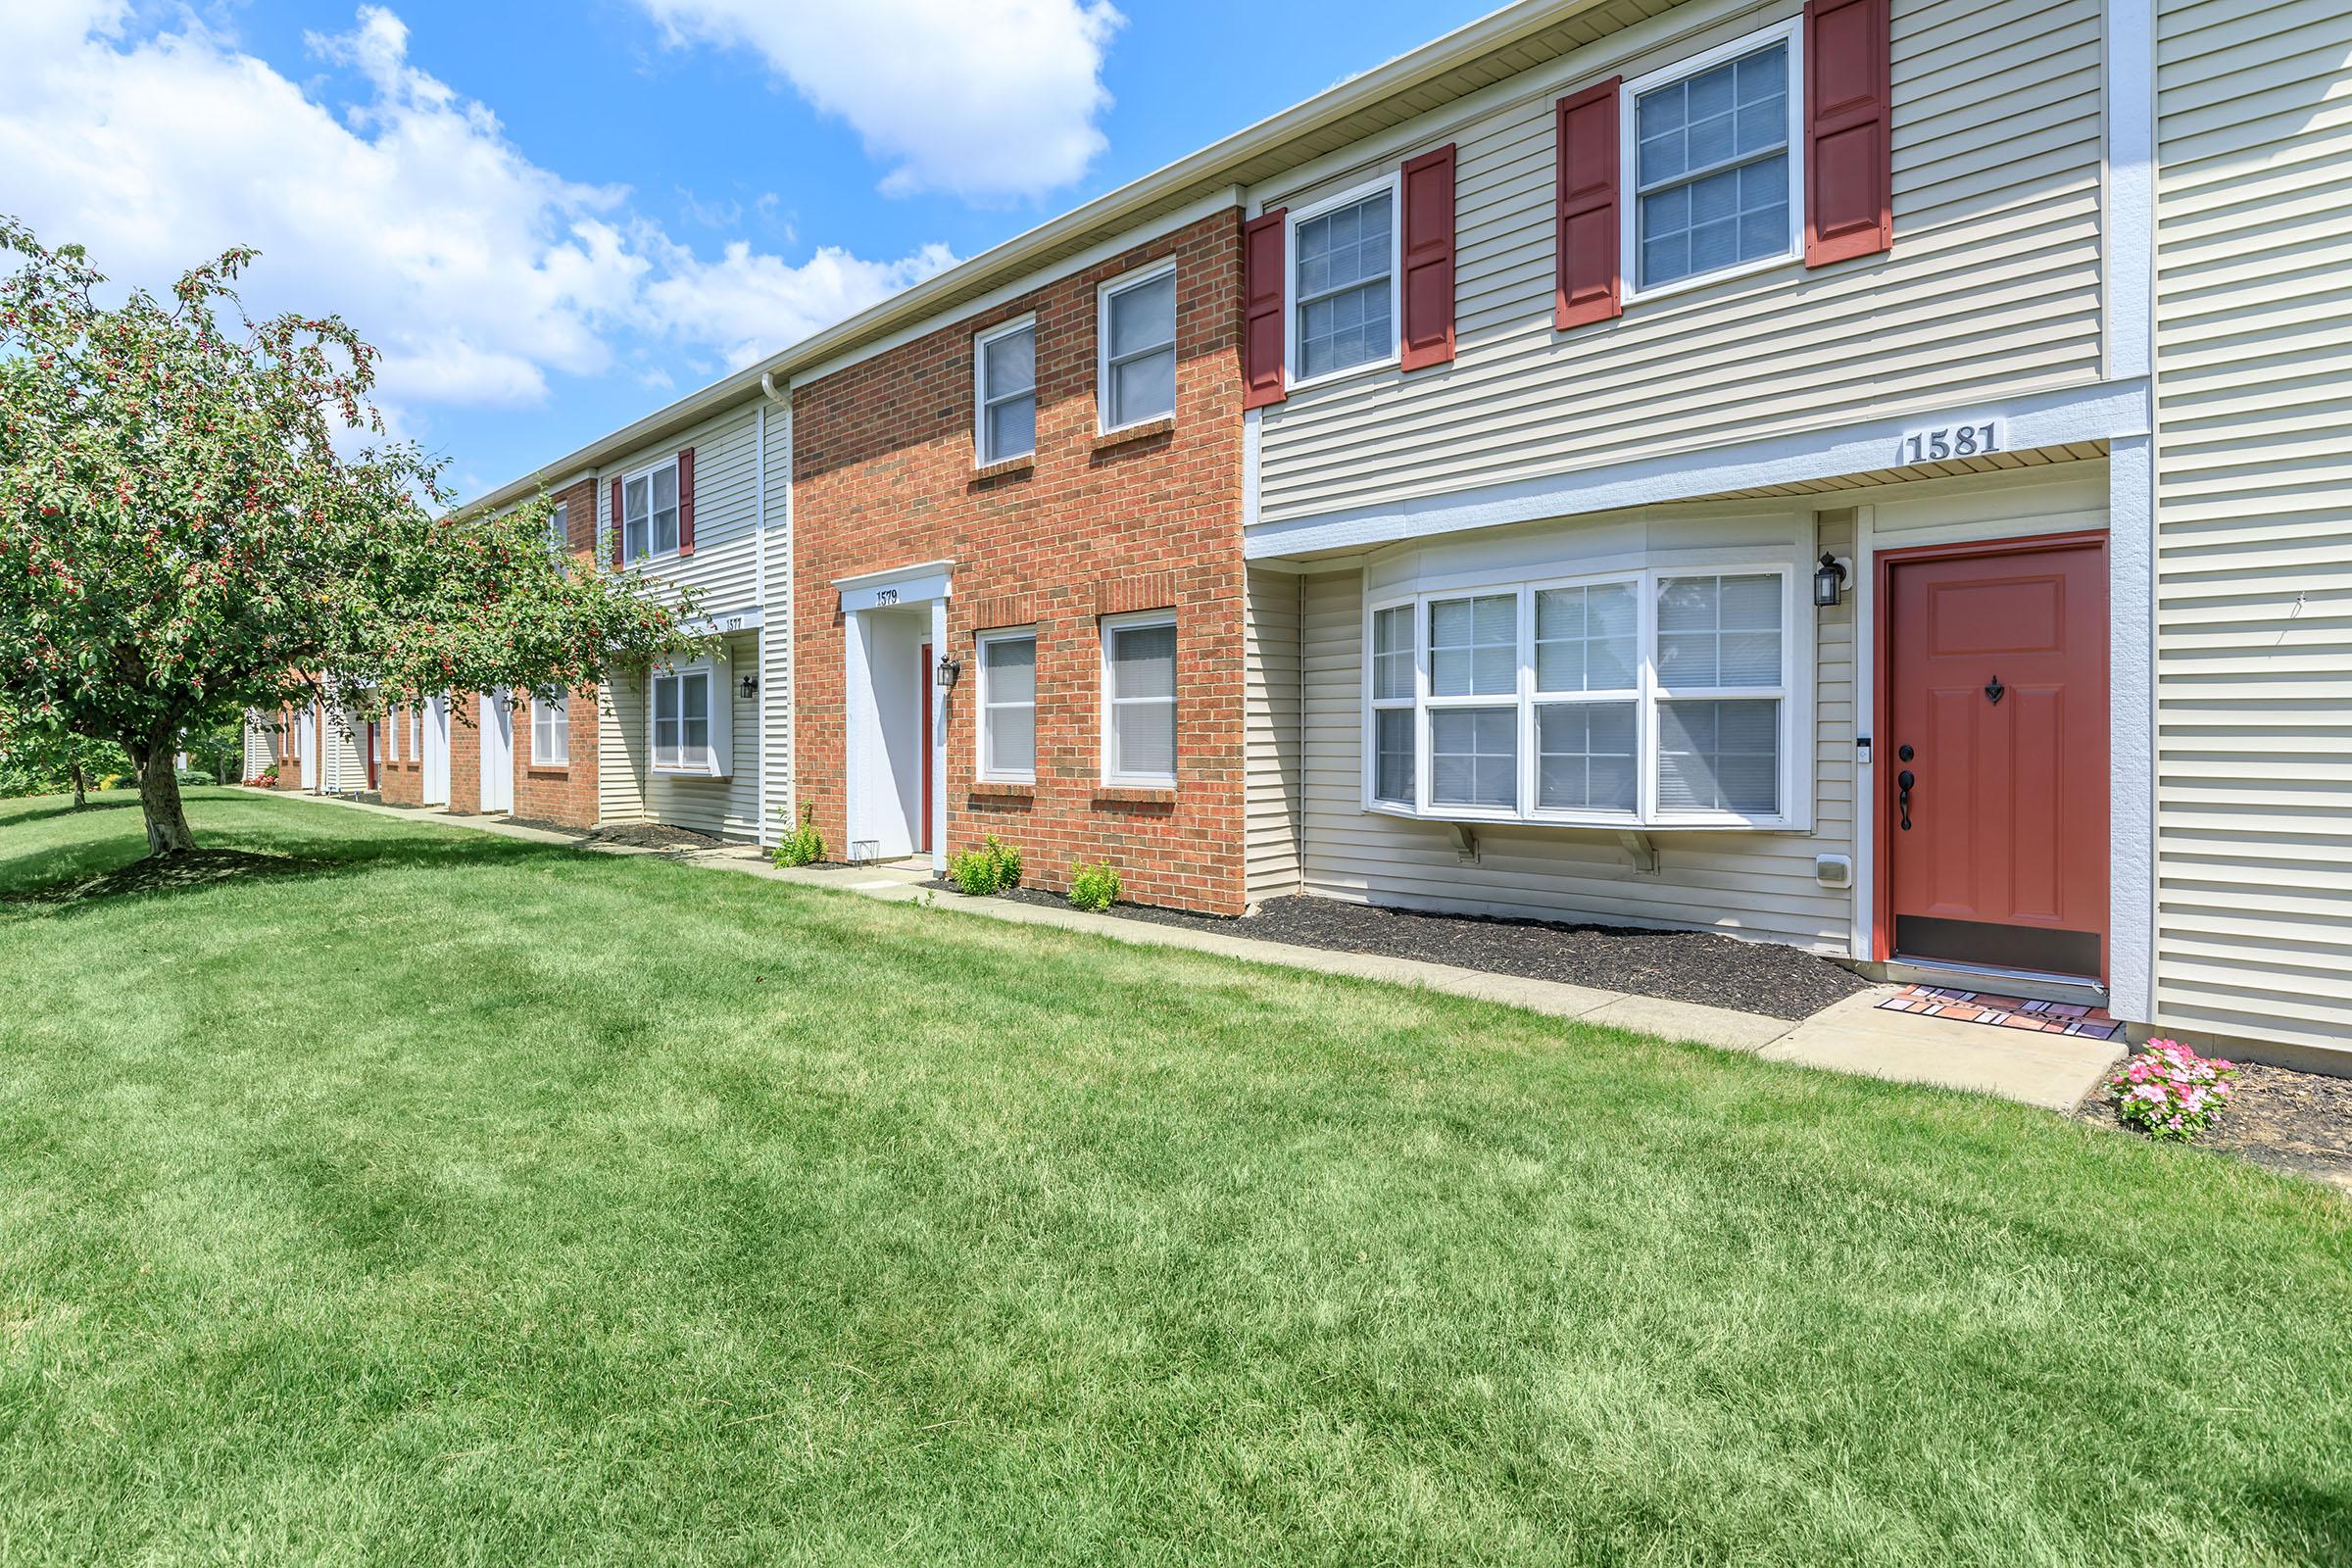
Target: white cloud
{"points": [[974, 98], [748, 305], [477, 272]]}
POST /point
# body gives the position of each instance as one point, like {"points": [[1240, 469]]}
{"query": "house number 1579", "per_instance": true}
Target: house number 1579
{"points": [[1949, 441]]}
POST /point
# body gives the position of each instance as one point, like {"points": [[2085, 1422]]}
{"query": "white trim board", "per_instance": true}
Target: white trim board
{"points": [[2102, 411]]}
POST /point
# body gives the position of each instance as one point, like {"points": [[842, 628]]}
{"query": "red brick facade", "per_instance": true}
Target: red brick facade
{"points": [[884, 476], [402, 782]]}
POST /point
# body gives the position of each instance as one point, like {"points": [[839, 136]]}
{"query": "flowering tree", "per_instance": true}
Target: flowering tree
{"points": [[179, 534]]}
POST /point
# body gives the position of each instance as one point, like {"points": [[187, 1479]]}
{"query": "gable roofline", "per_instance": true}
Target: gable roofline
{"points": [[1501, 44]]}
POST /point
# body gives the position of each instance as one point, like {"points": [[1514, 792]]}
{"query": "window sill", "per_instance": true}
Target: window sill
{"points": [[1140, 430], [989, 789], [547, 770], [1335, 378], [1135, 795], [1004, 467], [1724, 274], [1597, 822]]}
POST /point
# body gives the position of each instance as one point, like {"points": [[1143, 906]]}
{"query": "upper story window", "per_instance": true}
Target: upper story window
{"points": [[1137, 338], [1138, 699], [1344, 264], [1660, 698], [649, 512], [559, 527], [1715, 187], [1004, 375], [1008, 705]]}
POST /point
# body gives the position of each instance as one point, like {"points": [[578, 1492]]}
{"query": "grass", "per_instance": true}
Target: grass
{"points": [[461, 1200]]}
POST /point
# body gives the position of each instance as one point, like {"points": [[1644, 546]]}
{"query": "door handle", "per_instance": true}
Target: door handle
{"points": [[1902, 798]]}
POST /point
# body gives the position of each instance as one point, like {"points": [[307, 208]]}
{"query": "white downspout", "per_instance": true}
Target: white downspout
{"points": [[767, 760]]}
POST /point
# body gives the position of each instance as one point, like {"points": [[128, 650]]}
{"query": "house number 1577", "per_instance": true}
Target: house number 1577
{"points": [[1949, 441]]}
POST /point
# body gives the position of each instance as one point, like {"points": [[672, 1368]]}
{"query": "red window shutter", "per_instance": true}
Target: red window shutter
{"points": [[1589, 286], [1429, 259], [1849, 156], [1262, 264], [618, 562], [686, 502]]}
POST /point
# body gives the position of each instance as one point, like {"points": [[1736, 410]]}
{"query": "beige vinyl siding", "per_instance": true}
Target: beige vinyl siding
{"points": [[1754, 884], [1272, 736], [1993, 288], [261, 745], [2019, 504], [340, 768], [2254, 509], [723, 570], [774, 700], [631, 791]]}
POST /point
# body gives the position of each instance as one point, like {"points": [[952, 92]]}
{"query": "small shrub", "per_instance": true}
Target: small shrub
{"points": [[1093, 887], [196, 776], [994, 867], [267, 775], [804, 845], [2168, 1090]]}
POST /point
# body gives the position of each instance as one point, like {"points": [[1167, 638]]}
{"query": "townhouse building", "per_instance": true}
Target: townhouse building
{"points": [[1852, 473]]}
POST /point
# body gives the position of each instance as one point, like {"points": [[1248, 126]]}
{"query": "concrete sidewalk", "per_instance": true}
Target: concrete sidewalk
{"points": [[1852, 1036]]}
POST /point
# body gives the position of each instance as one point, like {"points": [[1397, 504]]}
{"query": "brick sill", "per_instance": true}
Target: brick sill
{"points": [[1132, 794], [1165, 424], [536, 771], [985, 790], [1004, 469]]}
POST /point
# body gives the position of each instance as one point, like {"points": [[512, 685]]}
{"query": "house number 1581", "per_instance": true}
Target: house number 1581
{"points": [[1949, 441]]}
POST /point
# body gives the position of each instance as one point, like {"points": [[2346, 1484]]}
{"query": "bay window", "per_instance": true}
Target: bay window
{"points": [[1659, 697]]}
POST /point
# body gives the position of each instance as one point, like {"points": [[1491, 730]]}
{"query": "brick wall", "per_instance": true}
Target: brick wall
{"points": [[464, 755], [884, 477], [564, 795]]}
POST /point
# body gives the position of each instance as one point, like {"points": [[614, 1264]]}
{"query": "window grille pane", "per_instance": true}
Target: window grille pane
{"points": [[1474, 757], [666, 531], [1011, 363], [1144, 388], [1392, 652], [1719, 755], [1011, 670], [665, 489], [1012, 429], [1584, 757], [1733, 109], [1474, 646], [1719, 631], [1586, 638], [1142, 316], [1143, 737], [1717, 221], [633, 500], [694, 696], [1392, 755], [1013, 739], [1143, 661], [1344, 330]]}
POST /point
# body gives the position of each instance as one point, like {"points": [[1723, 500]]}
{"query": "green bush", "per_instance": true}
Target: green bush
{"points": [[804, 845], [1093, 887], [994, 867], [196, 776]]}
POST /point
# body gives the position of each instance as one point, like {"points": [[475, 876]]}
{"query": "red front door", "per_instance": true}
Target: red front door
{"points": [[923, 707], [1992, 760]]}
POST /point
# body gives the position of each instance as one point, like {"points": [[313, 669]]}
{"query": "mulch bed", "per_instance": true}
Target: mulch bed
{"points": [[655, 836], [187, 869], [2299, 1122], [1716, 971]]}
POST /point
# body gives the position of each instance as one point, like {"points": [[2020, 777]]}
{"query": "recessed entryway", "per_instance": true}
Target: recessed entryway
{"points": [[893, 626]]}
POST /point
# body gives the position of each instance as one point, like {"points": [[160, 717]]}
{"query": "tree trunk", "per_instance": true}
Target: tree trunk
{"points": [[81, 786], [159, 797]]}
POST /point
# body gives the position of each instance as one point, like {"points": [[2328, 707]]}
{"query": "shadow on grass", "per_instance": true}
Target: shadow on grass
{"points": [[70, 810], [2306, 1523], [278, 858]]}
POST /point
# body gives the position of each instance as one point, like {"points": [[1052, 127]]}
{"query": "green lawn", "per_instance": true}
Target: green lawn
{"points": [[464, 1200]]}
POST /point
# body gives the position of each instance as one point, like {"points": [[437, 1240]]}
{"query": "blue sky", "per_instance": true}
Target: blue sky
{"points": [[553, 219]]}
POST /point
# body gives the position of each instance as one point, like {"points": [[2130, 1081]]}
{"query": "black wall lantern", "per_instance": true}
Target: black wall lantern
{"points": [[749, 686], [1828, 584], [948, 669]]}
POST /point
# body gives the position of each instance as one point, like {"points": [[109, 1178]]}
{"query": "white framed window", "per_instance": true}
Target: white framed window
{"points": [[690, 713], [1138, 699], [417, 734], [551, 730], [391, 733], [1135, 348], [559, 527], [1344, 268], [1709, 149], [1008, 705], [1665, 696], [649, 512], [1004, 392]]}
